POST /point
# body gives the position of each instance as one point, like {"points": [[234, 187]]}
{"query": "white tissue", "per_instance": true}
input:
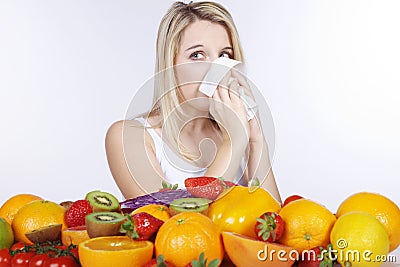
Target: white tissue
{"points": [[219, 68]]}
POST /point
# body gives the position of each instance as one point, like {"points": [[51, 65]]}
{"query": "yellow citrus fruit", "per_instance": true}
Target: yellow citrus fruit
{"points": [[245, 251], [14, 203], [116, 251], [74, 235], [185, 236], [360, 239], [159, 211], [384, 209], [35, 215], [307, 224]]}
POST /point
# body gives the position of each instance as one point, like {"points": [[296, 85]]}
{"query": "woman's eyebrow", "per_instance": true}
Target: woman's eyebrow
{"points": [[194, 46], [199, 45]]}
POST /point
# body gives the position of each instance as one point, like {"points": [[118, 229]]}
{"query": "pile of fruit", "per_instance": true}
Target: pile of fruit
{"points": [[211, 223]]}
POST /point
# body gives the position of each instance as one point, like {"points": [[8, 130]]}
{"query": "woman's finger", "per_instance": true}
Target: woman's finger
{"points": [[223, 88], [243, 82]]}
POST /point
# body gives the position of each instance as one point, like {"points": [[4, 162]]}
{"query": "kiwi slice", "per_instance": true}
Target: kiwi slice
{"points": [[103, 223], [48, 233], [102, 201], [189, 204]]}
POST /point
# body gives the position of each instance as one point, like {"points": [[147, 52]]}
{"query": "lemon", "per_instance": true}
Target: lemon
{"points": [[6, 234], [384, 209], [14, 203], [359, 240]]}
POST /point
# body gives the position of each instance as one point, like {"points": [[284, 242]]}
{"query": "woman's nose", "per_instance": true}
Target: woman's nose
{"points": [[213, 57]]}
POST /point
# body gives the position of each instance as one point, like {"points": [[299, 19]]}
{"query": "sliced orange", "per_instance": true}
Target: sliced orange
{"points": [[74, 235], [118, 251], [159, 211], [246, 251], [14, 203]]}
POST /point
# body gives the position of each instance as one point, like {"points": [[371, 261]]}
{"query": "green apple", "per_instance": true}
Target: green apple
{"points": [[6, 234]]}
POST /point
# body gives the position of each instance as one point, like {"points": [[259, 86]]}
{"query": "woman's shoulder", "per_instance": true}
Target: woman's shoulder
{"points": [[131, 131], [122, 125]]}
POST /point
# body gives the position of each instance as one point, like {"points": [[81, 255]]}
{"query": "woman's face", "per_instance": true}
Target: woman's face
{"points": [[201, 42]]}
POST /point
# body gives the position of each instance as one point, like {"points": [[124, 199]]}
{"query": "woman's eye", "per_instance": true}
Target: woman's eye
{"points": [[225, 54], [197, 55]]}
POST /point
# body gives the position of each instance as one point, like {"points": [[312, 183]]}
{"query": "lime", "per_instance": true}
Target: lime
{"points": [[6, 234]]}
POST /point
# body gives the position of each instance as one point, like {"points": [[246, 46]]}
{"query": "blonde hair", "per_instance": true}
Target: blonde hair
{"points": [[166, 98]]}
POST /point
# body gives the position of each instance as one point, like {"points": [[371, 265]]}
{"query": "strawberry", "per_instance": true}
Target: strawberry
{"points": [[158, 262], [207, 187], [202, 262], [269, 227], [168, 187], [75, 214], [290, 199], [317, 257], [141, 226]]}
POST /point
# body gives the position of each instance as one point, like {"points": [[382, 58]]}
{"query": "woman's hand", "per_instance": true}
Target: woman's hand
{"points": [[256, 135], [229, 112]]}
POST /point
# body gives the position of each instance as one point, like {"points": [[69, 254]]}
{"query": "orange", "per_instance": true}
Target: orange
{"points": [[359, 239], [246, 251], [118, 251], [307, 224], [385, 210], [74, 235], [159, 211], [35, 215], [185, 236], [14, 203]]}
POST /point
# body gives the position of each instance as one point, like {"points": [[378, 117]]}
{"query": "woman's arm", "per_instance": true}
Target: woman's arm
{"points": [[229, 109], [131, 158], [259, 166], [229, 112]]}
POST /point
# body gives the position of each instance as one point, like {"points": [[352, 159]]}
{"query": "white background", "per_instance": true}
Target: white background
{"points": [[329, 70]]}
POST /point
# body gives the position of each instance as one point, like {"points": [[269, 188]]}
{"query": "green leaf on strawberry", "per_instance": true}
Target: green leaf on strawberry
{"points": [[269, 227], [202, 262]]}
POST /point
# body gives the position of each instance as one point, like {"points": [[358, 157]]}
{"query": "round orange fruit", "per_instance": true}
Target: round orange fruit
{"points": [[119, 251], [185, 236], [14, 203], [384, 209], [246, 251], [35, 215], [307, 224], [159, 211]]}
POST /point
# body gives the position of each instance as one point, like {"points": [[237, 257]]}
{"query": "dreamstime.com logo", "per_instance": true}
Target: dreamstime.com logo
{"points": [[342, 254]]}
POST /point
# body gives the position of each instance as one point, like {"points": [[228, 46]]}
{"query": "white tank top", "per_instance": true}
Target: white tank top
{"points": [[174, 167]]}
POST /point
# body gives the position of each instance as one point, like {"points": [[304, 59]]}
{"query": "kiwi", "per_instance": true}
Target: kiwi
{"points": [[189, 204], [102, 201], [103, 223], [44, 234]]}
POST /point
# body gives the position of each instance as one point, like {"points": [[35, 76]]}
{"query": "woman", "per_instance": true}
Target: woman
{"points": [[186, 133]]}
